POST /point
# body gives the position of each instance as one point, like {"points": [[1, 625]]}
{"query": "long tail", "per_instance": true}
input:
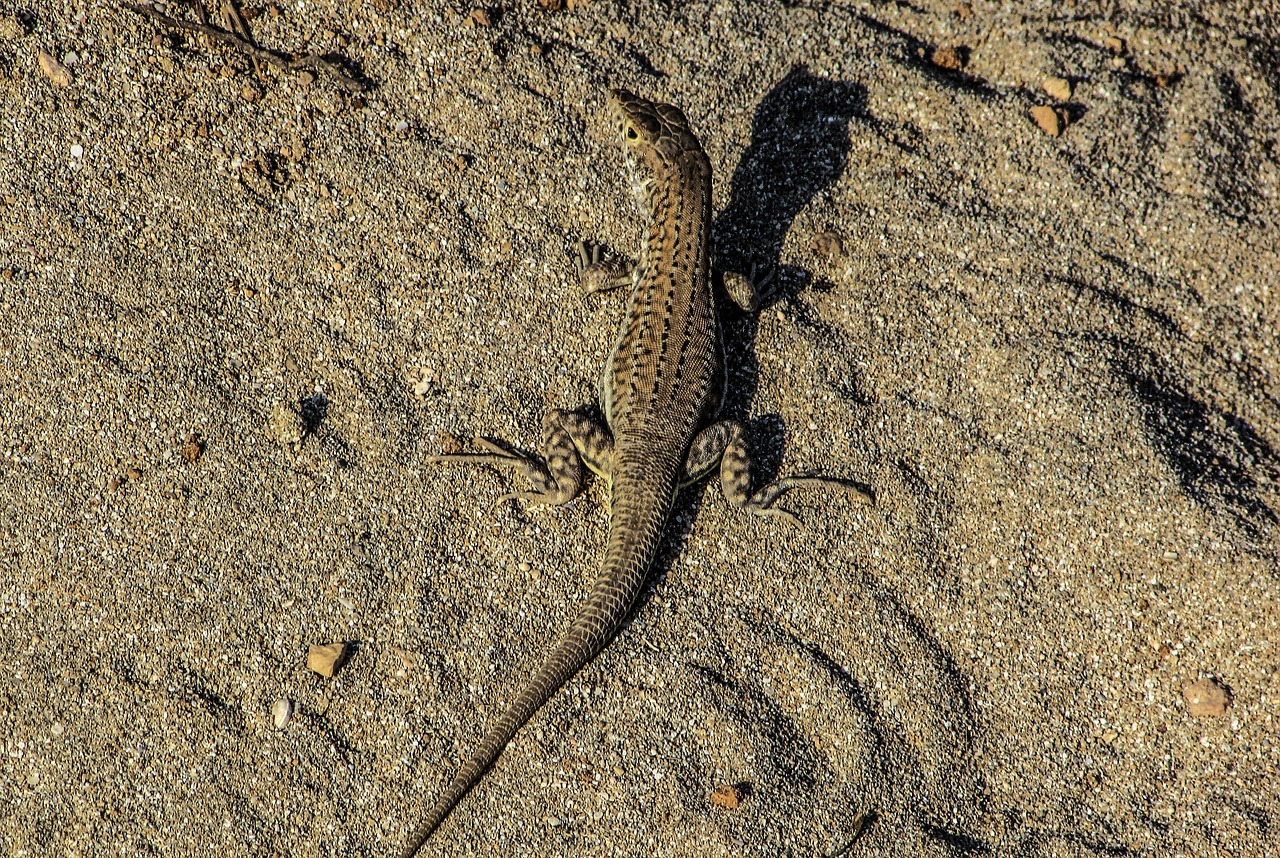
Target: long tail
{"points": [[633, 540]]}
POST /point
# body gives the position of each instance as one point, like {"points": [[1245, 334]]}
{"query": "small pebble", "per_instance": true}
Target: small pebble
{"points": [[325, 659], [77, 151], [134, 473], [281, 712], [1048, 119], [1058, 87], [57, 729], [306, 78], [479, 18], [54, 70], [949, 58], [827, 244], [728, 797], [192, 448], [1206, 698]]}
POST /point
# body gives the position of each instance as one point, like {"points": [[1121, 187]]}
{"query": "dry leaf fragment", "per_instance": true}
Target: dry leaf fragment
{"points": [[325, 659], [479, 18], [55, 71]]}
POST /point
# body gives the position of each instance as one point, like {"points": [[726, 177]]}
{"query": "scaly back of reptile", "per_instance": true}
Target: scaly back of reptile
{"points": [[656, 387]]}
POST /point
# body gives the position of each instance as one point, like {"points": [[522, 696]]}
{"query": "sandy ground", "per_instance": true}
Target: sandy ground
{"points": [[240, 310]]}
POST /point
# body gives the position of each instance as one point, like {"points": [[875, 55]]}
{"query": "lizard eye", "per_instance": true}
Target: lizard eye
{"points": [[631, 133]]}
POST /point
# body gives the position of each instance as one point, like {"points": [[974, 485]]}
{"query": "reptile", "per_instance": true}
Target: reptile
{"points": [[660, 394]]}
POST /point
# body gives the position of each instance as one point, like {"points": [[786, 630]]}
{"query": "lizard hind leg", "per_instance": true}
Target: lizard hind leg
{"points": [[725, 442], [569, 441], [751, 290]]}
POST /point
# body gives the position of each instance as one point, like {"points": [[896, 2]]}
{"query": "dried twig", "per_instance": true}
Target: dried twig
{"points": [[244, 44], [233, 21]]}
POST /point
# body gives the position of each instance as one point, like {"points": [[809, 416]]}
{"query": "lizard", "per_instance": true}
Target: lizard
{"points": [[660, 395]]}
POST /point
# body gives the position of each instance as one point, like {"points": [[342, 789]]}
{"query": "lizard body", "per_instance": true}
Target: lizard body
{"points": [[660, 393]]}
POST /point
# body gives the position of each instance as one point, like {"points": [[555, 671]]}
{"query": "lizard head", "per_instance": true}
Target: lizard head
{"points": [[655, 136]]}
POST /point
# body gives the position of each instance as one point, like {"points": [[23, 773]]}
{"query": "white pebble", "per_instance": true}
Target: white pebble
{"points": [[77, 151], [281, 712]]}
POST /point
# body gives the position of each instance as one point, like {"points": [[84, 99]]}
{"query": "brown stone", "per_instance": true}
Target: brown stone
{"points": [[325, 659], [1048, 119], [729, 797], [1206, 698], [949, 58], [1058, 87]]}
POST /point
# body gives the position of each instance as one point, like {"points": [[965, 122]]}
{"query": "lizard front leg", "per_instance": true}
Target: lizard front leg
{"points": [[725, 442], [569, 441], [601, 272]]}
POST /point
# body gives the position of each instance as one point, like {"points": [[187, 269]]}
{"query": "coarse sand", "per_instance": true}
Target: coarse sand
{"points": [[1027, 293]]}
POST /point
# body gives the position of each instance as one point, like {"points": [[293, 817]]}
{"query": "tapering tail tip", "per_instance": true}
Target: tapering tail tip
{"points": [[458, 787]]}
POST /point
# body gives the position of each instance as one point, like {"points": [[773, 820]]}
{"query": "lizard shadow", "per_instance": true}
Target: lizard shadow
{"points": [[799, 147]]}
